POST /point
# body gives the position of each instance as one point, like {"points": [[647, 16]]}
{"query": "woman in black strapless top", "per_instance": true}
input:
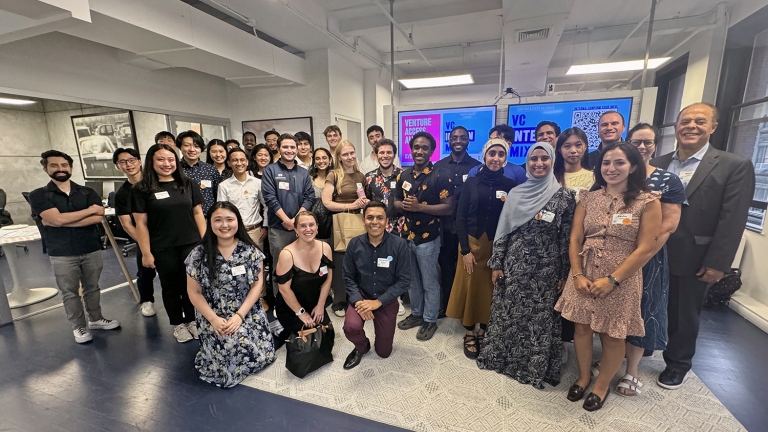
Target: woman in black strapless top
{"points": [[304, 272]]}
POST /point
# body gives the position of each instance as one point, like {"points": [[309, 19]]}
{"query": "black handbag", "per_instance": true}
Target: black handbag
{"points": [[324, 219], [720, 292], [309, 350]]}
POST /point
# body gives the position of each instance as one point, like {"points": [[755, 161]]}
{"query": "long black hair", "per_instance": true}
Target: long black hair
{"points": [[149, 180], [635, 181], [313, 171], [211, 143], [559, 166], [210, 241], [253, 166]]}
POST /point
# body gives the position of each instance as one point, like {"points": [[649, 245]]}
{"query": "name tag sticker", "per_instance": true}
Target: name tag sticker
{"points": [[323, 271], [383, 262], [686, 176], [545, 216], [283, 185], [406, 186], [501, 195], [205, 184], [245, 192], [238, 270], [622, 219], [162, 195], [392, 184], [464, 178]]}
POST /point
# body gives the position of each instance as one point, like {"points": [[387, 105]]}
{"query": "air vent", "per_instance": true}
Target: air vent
{"points": [[532, 35]]}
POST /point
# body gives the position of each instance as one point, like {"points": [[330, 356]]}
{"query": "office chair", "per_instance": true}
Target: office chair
{"points": [[6, 219]]}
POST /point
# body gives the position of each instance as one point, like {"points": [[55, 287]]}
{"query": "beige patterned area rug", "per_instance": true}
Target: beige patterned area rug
{"points": [[431, 386]]}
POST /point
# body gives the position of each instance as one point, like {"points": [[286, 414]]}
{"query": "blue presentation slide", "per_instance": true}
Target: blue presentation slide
{"points": [[582, 114]]}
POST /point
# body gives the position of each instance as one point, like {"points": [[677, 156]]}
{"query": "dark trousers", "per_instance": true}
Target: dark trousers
{"points": [[172, 272], [449, 256], [338, 287], [145, 280], [384, 320], [686, 298]]}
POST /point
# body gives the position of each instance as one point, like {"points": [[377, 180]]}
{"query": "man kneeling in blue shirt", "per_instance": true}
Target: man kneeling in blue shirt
{"points": [[377, 270]]}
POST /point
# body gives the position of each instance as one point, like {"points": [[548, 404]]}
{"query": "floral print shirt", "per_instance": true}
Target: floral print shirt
{"points": [[380, 188], [429, 187]]}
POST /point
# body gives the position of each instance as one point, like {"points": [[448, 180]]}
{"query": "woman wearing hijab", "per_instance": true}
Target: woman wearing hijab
{"points": [[476, 220], [529, 264]]}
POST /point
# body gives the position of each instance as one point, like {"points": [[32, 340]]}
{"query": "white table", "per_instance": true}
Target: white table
{"points": [[21, 294]]}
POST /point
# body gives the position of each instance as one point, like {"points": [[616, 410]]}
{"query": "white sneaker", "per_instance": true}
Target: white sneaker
{"points": [[181, 333], [148, 309], [192, 327], [401, 308], [103, 324], [340, 313], [82, 335]]}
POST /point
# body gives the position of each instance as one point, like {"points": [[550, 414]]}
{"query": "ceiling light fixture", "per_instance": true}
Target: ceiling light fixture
{"points": [[444, 81], [624, 66], [8, 101]]}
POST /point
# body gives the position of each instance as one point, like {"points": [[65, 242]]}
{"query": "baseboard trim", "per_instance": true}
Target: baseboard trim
{"points": [[751, 309]]}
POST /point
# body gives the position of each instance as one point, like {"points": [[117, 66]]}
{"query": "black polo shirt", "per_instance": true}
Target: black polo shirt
{"points": [[429, 187], [67, 241], [458, 171], [381, 272]]}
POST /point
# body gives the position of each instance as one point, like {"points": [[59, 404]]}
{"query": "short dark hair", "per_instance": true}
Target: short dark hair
{"points": [[385, 142], [196, 139], [164, 134], [507, 132], [715, 112], [459, 127], [624, 122], [332, 128], [374, 128], [249, 133], [54, 153], [230, 141], [423, 134], [374, 204], [641, 126], [271, 132], [284, 137], [554, 125], [303, 136], [131, 151], [235, 150]]}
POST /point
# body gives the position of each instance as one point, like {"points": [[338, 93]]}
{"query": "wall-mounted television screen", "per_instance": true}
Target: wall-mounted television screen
{"points": [[582, 114], [477, 120]]}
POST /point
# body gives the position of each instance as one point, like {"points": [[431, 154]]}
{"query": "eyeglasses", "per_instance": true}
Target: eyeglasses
{"points": [[646, 143], [125, 162]]}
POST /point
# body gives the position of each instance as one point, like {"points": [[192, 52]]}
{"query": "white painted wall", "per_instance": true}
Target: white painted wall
{"points": [[346, 95]]}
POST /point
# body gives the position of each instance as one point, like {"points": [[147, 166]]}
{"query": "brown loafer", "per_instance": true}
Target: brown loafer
{"points": [[576, 392], [593, 401]]}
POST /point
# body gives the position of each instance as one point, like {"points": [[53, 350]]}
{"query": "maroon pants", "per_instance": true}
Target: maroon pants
{"points": [[384, 319]]}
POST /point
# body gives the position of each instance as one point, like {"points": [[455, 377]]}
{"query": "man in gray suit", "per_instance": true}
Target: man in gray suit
{"points": [[719, 186]]}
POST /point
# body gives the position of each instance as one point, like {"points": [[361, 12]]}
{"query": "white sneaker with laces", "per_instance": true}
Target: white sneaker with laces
{"points": [[148, 309], [192, 327], [103, 324], [82, 335], [181, 333], [400, 308]]}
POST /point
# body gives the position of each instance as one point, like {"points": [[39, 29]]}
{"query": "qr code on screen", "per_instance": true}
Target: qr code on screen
{"points": [[587, 120]]}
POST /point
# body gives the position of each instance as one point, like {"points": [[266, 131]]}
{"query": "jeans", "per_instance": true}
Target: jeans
{"points": [[425, 286], [145, 280], [70, 272], [278, 240], [172, 272]]}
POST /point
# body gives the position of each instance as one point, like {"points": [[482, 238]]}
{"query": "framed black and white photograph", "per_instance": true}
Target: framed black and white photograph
{"points": [[281, 125], [98, 136]]}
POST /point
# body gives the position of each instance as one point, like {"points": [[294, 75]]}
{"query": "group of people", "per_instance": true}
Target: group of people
{"points": [[571, 243]]}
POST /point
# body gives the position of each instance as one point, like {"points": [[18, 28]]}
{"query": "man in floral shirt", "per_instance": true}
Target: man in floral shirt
{"points": [[423, 194], [382, 183]]}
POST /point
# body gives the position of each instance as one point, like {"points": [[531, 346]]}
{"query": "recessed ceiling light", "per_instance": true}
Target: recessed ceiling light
{"points": [[444, 81], [8, 101], [624, 66]]}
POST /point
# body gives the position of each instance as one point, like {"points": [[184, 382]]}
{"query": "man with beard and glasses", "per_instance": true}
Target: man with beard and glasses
{"points": [[70, 214]]}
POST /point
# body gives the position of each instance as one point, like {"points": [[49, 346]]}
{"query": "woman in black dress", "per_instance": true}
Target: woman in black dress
{"points": [[304, 272]]}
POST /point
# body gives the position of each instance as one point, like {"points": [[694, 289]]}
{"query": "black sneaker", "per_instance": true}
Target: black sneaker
{"points": [[671, 379], [426, 331], [410, 322]]}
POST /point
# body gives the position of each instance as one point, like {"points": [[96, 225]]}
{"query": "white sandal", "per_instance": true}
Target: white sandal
{"points": [[634, 386], [594, 371]]}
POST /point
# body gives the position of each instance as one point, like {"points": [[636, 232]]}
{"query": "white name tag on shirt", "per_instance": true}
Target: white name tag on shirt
{"points": [[392, 184], [686, 176], [464, 178], [545, 216], [406, 186], [622, 219], [162, 195], [501, 195], [383, 262], [205, 184], [283, 185], [323, 271], [238, 270]]}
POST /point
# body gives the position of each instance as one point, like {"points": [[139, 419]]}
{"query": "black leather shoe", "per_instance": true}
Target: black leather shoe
{"points": [[353, 359], [671, 379], [593, 401], [576, 392]]}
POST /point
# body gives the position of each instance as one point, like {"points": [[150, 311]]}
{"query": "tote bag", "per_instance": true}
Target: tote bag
{"points": [[346, 226], [309, 350]]}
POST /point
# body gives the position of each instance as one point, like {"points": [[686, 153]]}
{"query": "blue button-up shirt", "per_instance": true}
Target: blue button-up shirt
{"points": [[686, 169], [381, 272]]}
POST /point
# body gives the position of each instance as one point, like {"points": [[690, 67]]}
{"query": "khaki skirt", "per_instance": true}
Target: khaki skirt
{"points": [[471, 294]]}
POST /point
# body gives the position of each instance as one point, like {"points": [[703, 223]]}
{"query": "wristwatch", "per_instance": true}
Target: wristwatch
{"points": [[300, 312], [613, 280]]}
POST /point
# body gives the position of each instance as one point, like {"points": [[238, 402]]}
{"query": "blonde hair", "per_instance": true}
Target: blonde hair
{"points": [[338, 170]]}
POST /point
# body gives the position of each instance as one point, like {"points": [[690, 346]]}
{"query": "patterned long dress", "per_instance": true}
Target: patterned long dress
{"points": [[227, 360], [523, 338]]}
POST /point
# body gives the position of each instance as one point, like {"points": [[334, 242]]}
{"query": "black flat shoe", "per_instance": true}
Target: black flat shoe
{"points": [[576, 392], [593, 401]]}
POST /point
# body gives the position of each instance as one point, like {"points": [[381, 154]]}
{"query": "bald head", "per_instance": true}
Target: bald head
{"points": [[714, 116], [695, 124]]}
